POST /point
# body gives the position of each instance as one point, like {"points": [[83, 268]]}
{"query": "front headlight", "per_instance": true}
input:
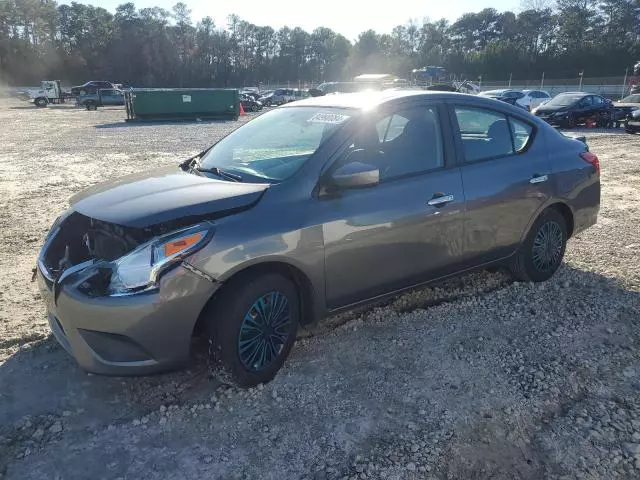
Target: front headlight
{"points": [[142, 268], [635, 114]]}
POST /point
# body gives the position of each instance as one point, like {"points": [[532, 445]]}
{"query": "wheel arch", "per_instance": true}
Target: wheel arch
{"points": [[566, 212], [308, 296], [561, 207]]}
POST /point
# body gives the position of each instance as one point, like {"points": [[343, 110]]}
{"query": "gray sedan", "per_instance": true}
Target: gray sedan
{"points": [[311, 209]]}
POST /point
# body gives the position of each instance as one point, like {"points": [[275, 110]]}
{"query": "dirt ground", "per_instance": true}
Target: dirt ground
{"points": [[477, 378]]}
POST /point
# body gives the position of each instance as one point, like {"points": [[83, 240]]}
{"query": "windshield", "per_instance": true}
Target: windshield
{"points": [[274, 145], [631, 99], [563, 100]]}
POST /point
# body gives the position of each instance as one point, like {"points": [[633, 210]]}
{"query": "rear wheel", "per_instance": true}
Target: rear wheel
{"points": [[252, 328], [541, 254]]}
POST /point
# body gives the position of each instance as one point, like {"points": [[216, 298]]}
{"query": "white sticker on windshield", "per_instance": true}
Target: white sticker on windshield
{"points": [[186, 98], [333, 118]]}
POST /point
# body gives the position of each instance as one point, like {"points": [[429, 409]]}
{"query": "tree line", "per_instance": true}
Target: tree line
{"points": [[40, 39]]}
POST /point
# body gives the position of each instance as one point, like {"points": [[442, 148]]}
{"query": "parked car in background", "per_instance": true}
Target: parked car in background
{"points": [[383, 192], [101, 98], [632, 122], [249, 104], [299, 94], [346, 87], [533, 98], [278, 96], [251, 93], [626, 106], [529, 99], [92, 87], [506, 95], [574, 108], [281, 96]]}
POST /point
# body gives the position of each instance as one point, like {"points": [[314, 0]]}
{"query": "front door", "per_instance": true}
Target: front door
{"points": [[404, 230], [506, 177]]}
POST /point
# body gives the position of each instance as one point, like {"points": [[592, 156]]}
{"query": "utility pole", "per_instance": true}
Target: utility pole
{"points": [[542, 81], [510, 76], [624, 83], [581, 74]]}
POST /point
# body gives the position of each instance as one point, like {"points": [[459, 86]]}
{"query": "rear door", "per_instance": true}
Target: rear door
{"points": [[505, 173], [406, 229]]}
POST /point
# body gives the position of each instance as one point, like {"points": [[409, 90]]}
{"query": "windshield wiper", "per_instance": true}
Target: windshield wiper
{"points": [[219, 173]]}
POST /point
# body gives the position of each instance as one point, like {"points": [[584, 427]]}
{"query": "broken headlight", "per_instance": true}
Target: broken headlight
{"points": [[141, 269]]}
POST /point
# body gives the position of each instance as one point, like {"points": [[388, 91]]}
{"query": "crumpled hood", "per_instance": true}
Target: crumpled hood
{"points": [[150, 198]]}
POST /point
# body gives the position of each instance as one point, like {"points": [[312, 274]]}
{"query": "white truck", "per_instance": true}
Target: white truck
{"points": [[49, 92]]}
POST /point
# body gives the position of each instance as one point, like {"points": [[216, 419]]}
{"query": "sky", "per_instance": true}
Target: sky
{"points": [[343, 16]]}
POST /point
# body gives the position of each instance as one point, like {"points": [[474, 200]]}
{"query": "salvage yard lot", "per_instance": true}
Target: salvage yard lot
{"points": [[477, 378]]}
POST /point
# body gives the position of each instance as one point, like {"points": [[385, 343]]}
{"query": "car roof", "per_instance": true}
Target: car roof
{"points": [[372, 99]]}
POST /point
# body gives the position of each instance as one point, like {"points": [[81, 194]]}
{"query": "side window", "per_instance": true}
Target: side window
{"points": [[484, 134], [390, 127], [521, 133], [586, 102], [597, 100], [403, 143]]}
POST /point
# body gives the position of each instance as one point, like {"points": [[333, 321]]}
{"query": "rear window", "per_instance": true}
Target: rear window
{"points": [[521, 133], [487, 134]]}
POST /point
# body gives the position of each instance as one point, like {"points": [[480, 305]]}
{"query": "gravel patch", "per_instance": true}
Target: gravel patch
{"points": [[479, 377]]}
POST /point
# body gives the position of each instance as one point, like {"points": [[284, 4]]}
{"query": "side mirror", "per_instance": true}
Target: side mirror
{"points": [[356, 173]]}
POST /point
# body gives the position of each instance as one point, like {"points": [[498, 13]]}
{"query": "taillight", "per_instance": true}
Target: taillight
{"points": [[591, 158]]}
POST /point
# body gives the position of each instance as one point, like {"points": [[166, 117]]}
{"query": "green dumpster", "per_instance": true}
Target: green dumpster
{"points": [[182, 103]]}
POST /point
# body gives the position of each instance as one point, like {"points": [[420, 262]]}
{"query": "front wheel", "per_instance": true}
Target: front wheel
{"points": [[40, 102], [570, 121], [541, 253], [251, 328]]}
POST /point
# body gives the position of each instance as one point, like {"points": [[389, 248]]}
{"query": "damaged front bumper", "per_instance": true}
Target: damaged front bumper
{"points": [[126, 335]]}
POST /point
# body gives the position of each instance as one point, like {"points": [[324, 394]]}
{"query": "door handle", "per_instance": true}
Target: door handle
{"points": [[440, 200], [538, 179]]}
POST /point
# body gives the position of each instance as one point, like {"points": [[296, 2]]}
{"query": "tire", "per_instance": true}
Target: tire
{"points": [[233, 318], [571, 121], [91, 106], [40, 102], [529, 267]]}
